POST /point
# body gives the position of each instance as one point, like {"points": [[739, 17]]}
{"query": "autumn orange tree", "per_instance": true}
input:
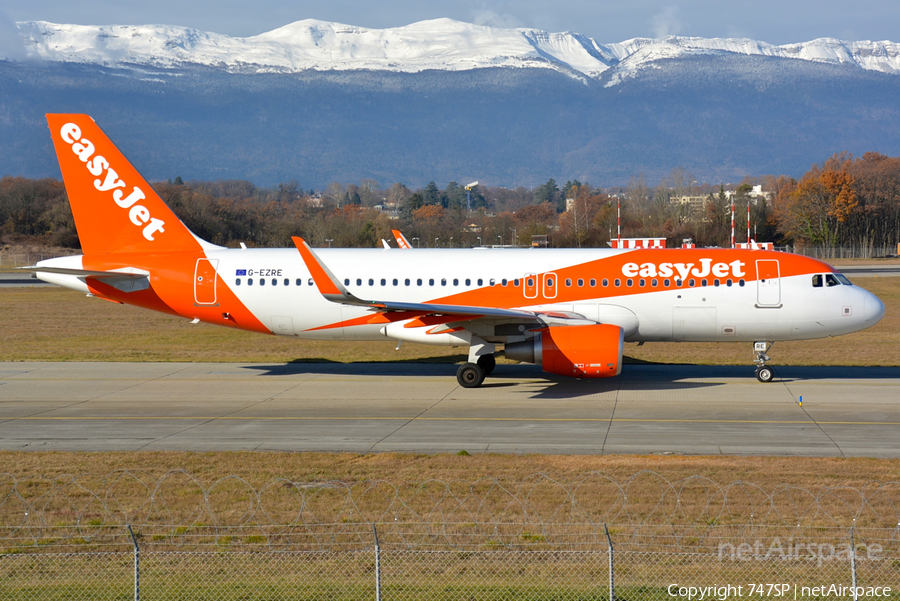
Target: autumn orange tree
{"points": [[815, 209], [846, 201]]}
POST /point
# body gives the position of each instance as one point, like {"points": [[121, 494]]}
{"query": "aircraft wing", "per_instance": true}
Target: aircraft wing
{"points": [[331, 288]]}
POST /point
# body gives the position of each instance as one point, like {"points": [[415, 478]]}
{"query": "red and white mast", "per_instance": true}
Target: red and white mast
{"points": [[748, 222], [732, 221]]}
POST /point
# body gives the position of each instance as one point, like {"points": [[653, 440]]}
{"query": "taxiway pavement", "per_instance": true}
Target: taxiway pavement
{"points": [[663, 409]]}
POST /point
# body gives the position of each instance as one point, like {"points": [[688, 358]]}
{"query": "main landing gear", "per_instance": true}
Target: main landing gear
{"points": [[480, 364], [471, 375], [764, 373]]}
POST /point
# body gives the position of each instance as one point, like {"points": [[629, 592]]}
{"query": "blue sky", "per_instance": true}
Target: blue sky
{"points": [[773, 21]]}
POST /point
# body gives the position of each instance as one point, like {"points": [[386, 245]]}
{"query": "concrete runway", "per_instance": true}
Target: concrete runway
{"points": [[419, 407]]}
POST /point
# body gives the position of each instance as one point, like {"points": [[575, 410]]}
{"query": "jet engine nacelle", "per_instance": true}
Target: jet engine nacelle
{"points": [[592, 351]]}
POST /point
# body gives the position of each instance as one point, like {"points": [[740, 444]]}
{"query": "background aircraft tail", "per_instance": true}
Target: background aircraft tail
{"points": [[115, 209]]}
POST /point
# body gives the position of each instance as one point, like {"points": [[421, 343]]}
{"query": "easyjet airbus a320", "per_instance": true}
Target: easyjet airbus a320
{"points": [[570, 311]]}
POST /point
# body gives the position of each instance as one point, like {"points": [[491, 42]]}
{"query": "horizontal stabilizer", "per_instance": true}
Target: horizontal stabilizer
{"points": [[122, 273]]}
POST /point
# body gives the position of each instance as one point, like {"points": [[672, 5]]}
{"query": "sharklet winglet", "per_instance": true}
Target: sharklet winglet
{"points": [[329, 286]]}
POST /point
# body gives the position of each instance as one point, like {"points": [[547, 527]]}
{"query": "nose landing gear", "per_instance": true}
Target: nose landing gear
{"points": [[763, 372]]}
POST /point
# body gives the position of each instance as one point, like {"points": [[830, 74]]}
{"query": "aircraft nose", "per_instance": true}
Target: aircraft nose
{"points": [[873, 309]]}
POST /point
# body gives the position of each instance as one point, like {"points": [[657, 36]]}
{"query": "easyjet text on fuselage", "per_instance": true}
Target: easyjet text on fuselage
{"points": [[705, 268]]}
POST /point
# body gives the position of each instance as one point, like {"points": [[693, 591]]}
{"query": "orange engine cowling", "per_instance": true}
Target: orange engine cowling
{"points": [[593, 351]]}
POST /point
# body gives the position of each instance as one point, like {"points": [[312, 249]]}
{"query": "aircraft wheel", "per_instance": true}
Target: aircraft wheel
{"points": [[765, 374], [470, 375], [487, 363]]}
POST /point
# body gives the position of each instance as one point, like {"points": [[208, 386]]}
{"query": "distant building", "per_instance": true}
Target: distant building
{"points": [[696, 204], [756, 193]]}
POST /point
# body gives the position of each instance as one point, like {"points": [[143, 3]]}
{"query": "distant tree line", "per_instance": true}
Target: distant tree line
{"points": [[844, 201]]}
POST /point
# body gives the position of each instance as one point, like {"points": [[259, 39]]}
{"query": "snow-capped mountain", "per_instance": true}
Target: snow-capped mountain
{"points": [[446, 101], [441, 44]]}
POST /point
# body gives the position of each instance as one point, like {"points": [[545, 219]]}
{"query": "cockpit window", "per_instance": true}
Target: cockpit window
{"points": [[843, 279], [830, 280], [817, 280]]}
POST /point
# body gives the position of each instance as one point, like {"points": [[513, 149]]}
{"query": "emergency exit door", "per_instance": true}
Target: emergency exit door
{"points": [[768, 283], [205, 282]]}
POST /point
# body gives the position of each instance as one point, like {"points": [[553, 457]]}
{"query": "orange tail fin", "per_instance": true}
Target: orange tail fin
{"points": [[115, 209]]}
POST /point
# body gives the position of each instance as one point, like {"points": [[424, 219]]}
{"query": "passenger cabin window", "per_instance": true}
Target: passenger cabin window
{"points": [[274, 282], [456, 281], [594, 282], [605, 282], [431, 282], [666, 283], [580, 282], [504, 282], [346, 281], [371, 282], [443, 281], [515, 282], [383, 282], [406, 282], [629, 282], [529, 282], [262, 282], [287, 282], [359, 281], [568, 282], [617, 282], [237, 282], [468, 282], [310, 281], [480, 282], [299, 282], [654, 283], [419, 282], [249, 281]]}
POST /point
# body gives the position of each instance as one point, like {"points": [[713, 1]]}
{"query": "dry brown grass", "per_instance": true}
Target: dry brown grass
{"points": [[258, 468], [54, 324]]}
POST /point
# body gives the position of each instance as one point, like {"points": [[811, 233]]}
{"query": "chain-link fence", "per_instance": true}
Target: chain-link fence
{"points": [[740, 569], [843, 252], [173, 536]]}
